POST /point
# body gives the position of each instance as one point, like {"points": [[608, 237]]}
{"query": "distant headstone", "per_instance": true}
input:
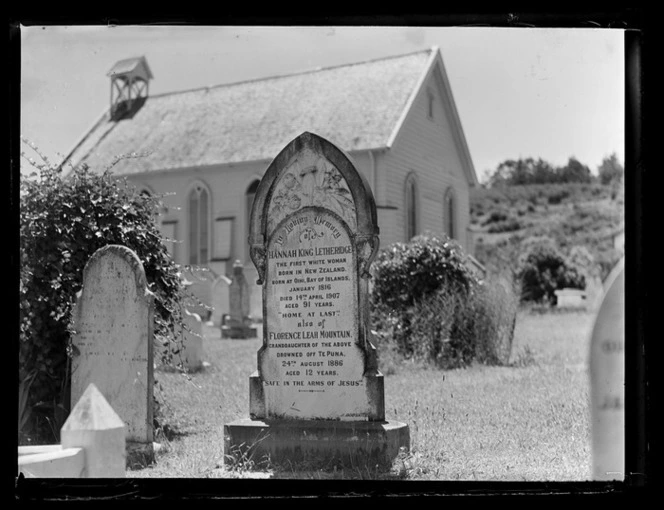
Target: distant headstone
{"points": [[571, 298], [313, 235], [199, 285], [238, 323], [113, 341], [192, 342], [220, 304], [607, 381]]}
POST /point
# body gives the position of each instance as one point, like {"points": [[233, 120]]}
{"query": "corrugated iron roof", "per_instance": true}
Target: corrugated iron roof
{"points": [[355, 106]]}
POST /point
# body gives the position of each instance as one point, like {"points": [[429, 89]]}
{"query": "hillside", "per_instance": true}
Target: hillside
{"points": [[588, 215]]}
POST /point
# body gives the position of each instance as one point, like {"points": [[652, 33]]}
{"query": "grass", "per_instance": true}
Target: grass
{"points": [[528, 421]]}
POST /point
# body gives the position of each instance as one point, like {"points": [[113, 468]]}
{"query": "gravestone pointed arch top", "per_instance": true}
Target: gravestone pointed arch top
{"points": [[297, 158], [313, 209]]}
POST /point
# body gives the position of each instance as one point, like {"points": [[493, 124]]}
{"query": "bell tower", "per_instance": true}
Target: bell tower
{"points": [[129, 86]]}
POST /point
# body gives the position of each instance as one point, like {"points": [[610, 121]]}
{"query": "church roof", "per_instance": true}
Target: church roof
{"points": [[356, 106]]}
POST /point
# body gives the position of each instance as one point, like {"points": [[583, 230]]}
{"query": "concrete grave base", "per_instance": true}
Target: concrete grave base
{"points": [[316, 443]]}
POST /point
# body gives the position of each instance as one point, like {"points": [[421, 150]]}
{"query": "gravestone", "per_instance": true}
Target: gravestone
{"points": [[607, 380], [113, 342], [571, 298], [238, 323], [192, 342], [220, 304], [313, 236]]}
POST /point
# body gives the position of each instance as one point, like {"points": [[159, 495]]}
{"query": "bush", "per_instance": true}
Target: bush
{"points": [[429, 306], [495, 217], [508, 225], [64, 220], [557, 197], [404, 273], [542, 269]]}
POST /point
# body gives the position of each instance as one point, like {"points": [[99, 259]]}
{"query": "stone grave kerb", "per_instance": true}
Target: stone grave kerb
{"points": [[362, 229]]}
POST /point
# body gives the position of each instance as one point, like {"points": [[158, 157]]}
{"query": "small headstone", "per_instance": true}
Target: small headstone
{"points": [[220, 304], [94, 426], [199, 285], [113, 341], [607, 381], [313, 235], [192, 344], [238, 323]]}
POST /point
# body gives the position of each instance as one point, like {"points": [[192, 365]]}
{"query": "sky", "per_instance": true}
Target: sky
{"points": [[550, 93]]}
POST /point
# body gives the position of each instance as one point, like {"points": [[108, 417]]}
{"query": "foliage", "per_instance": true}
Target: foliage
{"points": [[584, 214], [543, 269], [404, 273], [523, 171], [508, 225], [574, 171], [495, 216], [520, 172], [427, 304], [610, 170], [64, 220]]}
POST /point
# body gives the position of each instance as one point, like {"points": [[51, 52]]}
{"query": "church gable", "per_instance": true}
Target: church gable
{"points": [[428, 162]]}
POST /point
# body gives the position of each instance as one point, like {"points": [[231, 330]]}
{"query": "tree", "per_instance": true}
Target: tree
{"points": [[574, 171], [519, 172], [610, 169]]}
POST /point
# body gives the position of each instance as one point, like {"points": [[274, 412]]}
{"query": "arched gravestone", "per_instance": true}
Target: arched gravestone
{"points": [[607, 380], [313, 235], [113, 322]]}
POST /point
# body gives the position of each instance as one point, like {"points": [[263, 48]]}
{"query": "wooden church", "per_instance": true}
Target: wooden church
{"points": [[207, 149]]}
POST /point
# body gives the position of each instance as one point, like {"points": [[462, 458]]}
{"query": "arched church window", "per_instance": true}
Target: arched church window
{"points": [[199, 217], [249, 202], [411, 207], [450, 214]]}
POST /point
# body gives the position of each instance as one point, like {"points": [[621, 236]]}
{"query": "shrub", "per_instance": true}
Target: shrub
{"points": [[404, 273], [508, 225], [542, 269], [64, 220], [429, 306], [496, 216], [557, 197], [581, 258]]}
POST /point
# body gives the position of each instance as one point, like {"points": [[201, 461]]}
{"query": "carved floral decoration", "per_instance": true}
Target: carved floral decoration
{"points": [[305, 184]]}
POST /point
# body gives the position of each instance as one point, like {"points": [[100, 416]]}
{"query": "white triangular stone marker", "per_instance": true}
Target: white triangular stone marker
{"points": [[96, 427]]}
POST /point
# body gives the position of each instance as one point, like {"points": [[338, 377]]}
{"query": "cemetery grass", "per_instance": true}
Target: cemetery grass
{"points": [[525, 422]]}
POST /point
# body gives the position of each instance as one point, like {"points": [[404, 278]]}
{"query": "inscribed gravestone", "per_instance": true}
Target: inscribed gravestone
{"points": [[238, 323], [607, 381], [313, 235], [113, 324]]}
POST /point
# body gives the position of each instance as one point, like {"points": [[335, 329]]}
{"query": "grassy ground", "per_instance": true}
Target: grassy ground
{"points": [[528, 421]]}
